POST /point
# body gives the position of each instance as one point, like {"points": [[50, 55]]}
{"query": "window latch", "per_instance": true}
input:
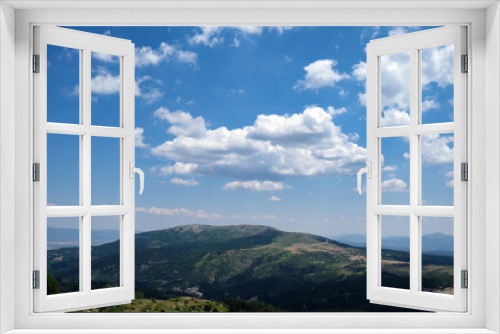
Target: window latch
{"points": [[365, 170], [139, 171]]}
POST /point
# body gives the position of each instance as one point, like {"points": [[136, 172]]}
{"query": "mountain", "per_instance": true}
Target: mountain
{"points": [[288, 270], [69, 237], [436, 243]]}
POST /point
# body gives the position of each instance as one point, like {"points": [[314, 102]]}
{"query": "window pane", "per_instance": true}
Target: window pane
{"points": [[63, 255], [437, 254], [395, 252], [437, 169], [105, 87], [395, 89], [63, 82], [105, 171], [105, 252], [63, 170], [395, 171], [437, 84]]}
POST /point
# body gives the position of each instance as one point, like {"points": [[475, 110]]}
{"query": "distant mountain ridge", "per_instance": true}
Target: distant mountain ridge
{"points": [[290, 270], [436, 243]]}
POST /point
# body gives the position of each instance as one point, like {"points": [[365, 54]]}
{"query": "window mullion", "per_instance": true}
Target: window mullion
{"points": [[414, 171], [85, 165]]}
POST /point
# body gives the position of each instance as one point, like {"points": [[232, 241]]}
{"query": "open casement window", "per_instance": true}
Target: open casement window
{"points": [[64, 144], [415, 58]]}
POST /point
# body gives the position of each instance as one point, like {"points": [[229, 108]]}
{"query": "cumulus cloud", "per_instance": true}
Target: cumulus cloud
{"points": [[104, 82], [147, 93], [336, 111], [437, 66], [139, 138], [390, 168], [273, 148], [104, 57], [213, 35], [320, 74], [275, 199], [179, 168], [183, 182], [429, 104], [395, 117], [394, 185], [359, 71], [436, 149], [146, 55], [254, 185], [179, 212]]}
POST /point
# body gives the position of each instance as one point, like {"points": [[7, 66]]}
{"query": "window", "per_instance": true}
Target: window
{"points": [[430, 141], [65, 134], [481, 222]]}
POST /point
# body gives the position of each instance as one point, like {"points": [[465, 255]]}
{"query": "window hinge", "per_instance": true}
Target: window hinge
{"points": [[36, 172], [464, 170], [36, 279], [36, 63], [465, 279], [465, 64]]}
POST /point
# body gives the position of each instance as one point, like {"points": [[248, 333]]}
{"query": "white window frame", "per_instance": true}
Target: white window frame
{"points": [[85, 43], [483, 211], [413, 43]]}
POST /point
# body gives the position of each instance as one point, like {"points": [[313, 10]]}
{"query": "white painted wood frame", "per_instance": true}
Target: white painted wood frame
{"points": [[415, 297], [86, 43]]}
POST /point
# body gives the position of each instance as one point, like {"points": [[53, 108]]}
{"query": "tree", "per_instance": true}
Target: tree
{"points": [[52, 288]]}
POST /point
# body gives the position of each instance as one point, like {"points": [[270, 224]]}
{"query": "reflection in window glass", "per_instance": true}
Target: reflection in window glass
{"points": [[105, 86], [437, 254], [395, 171], [63, 255], [437, 84], [395, 251], [105, 171], [437, 169], [395, 89], [63, 85]]}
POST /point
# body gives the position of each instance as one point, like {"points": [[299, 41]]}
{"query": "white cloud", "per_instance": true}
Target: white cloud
{"points": [[182, 123], [437, 66], [320, 74], [395, 80], [177, 168], [104, 83], [104, 57], [254, 185], [183, 182], [274, 147], [394, 186], [359, 71], [362, 98], [212, 35], [436, 149], [179, 212], [139, 137], [395, 117], [146, 55], [336, 111], [390, 168], [398, 31], [275, 199], [429, 104]]}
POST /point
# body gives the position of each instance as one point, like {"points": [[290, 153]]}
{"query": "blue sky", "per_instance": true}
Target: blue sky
{"points": [[251, 125]]}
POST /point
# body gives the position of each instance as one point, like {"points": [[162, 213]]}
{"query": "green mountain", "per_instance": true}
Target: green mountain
{"points": [[288, 270]]}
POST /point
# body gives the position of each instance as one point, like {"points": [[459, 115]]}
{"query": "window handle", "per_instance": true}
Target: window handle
{"points": [[368, 171], [141, 175]]}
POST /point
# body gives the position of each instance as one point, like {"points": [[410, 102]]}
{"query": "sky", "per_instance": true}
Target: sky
{"points": [[252, 125]]}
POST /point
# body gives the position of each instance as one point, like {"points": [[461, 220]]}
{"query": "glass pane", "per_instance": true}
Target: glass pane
{"points": [[63, 82], [63, 255], [437, 84], [395, 251], [105, 240], [395, 89], [105, 171], [63, 170], [105, 86], [437, 254], [437, 169], [395, 170]]}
